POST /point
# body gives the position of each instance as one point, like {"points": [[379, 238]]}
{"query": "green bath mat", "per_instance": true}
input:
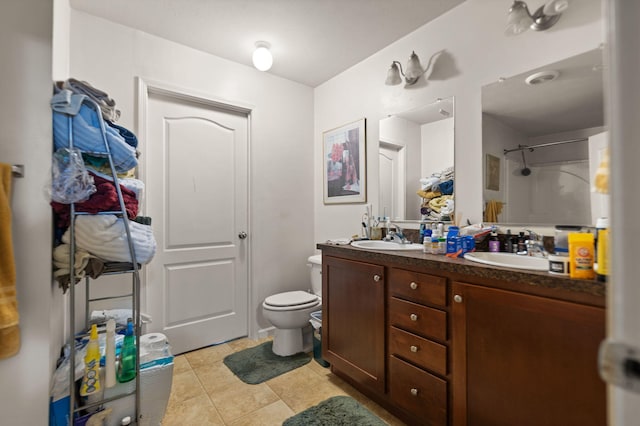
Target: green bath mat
{"points": [[335, 411], [259, 364]]}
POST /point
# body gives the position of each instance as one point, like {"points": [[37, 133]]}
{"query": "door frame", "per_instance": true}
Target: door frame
{"points": [[146, 87]]}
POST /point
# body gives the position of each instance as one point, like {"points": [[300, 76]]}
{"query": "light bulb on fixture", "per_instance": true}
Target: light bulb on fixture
{"points": [[413, 71], [519, 19], [262, 58]]}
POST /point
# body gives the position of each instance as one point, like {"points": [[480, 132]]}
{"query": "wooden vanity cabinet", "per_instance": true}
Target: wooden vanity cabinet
{"points": [[418, 346], [520, 359], [353, 322], [439, 344]]}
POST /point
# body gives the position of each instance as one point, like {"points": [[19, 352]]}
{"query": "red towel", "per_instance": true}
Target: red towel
{"points": [[104, 199]]}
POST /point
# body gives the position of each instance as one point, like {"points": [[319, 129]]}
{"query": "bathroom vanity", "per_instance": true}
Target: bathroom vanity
{"points": [[440, 341]]}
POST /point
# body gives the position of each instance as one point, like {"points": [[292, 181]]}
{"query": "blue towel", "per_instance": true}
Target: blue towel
{"points": [[67, 102], [446, 188], [128, 136], [88, 138]]}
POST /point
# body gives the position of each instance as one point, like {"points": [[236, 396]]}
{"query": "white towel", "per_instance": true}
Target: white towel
{"points": [[104, 236]]}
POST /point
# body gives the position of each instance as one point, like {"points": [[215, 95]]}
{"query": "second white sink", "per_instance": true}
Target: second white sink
{"points": [[509, 260]]}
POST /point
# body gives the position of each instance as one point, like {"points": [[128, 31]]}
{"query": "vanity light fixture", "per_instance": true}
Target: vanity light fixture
{"points": [[519, 19], [262, 58], [411, 75]]}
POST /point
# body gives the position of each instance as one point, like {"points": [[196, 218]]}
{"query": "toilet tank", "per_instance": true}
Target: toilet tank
{"points": [[315, 270]]}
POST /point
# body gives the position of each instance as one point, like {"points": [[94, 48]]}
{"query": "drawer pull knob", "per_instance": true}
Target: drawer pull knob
{"points": [[413, 285], [414, 391], [457, 298], [413, 317], [413, 348], [377, 278]]}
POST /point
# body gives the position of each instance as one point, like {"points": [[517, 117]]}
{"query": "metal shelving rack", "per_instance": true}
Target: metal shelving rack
{"points": [[132, 268]]}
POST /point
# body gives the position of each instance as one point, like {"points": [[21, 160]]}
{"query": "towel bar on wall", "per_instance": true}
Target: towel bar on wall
{"points": [[17, 170]]}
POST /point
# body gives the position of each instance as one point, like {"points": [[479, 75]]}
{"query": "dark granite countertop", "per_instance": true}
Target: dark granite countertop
{"points": [[533, 282]]}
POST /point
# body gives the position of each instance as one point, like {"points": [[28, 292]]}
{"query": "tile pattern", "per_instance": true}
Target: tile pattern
{"points": [[206, 392]]}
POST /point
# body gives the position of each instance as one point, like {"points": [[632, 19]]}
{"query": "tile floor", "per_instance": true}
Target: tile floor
{"points": [[206, 392]]}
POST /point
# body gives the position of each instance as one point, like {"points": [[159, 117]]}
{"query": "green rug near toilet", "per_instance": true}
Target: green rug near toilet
{"points": [[259, 364], [335, 411]]}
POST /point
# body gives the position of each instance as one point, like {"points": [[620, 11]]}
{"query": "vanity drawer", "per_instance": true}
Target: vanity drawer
{"points": [[418, 319], [418, 392], [417, 287], [422, 352]]}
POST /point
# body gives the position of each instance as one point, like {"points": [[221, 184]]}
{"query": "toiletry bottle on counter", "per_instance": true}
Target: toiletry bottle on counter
{"points": [[522, 243], [91, 379], [581, 250], [426, 245], [494, 242], [508, 242], [452, 239], [602, 251]]}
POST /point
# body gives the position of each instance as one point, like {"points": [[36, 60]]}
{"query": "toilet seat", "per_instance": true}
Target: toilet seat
{"points": [[291, 300]]}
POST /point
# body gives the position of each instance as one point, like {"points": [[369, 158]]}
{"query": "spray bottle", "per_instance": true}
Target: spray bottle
{"points": [[127, 365]]}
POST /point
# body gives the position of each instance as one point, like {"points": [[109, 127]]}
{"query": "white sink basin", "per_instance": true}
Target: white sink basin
{"points": [[508, 260], [384, 245]]}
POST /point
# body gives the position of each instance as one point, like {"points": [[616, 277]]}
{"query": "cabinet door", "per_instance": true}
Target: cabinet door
{"points": [[525, 360], [353, 320]]}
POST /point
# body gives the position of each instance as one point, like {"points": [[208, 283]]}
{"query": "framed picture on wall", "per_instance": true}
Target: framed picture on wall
{"points": [[493, 173], [344, 164]]}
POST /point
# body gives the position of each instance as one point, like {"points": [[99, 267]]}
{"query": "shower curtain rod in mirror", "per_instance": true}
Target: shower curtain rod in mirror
{"points": [[542, 145]]}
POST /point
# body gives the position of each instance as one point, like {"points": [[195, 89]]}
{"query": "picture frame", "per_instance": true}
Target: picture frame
{"points": [[344, 163], [492, 170]]}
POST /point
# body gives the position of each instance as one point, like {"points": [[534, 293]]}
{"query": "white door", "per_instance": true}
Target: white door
{"points": [[196, 192], [391, 185]]}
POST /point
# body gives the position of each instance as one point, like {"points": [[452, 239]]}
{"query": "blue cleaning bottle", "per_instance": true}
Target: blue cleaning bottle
{"points": [[127, 365]]}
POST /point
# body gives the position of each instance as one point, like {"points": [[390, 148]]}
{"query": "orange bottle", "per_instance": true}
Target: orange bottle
{"points": [[581, 255]]}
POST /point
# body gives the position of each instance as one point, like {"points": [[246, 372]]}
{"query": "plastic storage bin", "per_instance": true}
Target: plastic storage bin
{"points": [[316, 322]]}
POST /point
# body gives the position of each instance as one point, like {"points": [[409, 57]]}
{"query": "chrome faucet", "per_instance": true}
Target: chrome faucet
{"points": [[535, 245], [396, 236]]}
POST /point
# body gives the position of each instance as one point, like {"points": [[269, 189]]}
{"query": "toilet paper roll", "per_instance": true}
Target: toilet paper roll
{"points": [[153, 341]]}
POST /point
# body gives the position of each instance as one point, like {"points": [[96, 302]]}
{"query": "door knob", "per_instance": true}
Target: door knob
{"points": [[242, 235], [413, 317], [457, 298], [413, 285], [377, 278]]}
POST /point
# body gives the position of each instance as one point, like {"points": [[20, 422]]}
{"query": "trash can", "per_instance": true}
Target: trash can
{"points": [[316, 322]]}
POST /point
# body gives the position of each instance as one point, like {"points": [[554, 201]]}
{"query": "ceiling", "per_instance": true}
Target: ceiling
{"points": [[574, 100], [311, 40]]}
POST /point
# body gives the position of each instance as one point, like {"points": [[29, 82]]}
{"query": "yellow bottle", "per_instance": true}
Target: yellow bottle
{"points": [[602, 226], [581, 252], [91, 379]]}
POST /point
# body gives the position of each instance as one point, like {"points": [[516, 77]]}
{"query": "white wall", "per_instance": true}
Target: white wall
{"points": [[25, 120], [476, 53], [110, 56]]}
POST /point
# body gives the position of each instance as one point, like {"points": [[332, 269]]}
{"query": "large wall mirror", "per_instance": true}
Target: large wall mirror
{"points": [[416, 145], [543, 137]]}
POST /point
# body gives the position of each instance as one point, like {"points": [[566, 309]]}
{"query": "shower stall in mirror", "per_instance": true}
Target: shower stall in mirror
{"points": [[550, 137]]}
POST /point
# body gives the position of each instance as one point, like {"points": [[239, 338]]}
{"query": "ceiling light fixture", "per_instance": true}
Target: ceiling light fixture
{"points": [[262, 58], [411, 75], [519, 19], [541, 77]]}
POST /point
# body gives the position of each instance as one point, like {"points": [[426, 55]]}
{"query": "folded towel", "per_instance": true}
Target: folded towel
{"points": [[67, 102], [104, 199], [104, 236], [84, 264], [87, 136], [107, 105], [9, 315]]}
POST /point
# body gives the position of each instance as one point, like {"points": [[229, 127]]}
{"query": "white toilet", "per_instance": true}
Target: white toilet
{"points": [[289, 313]]}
